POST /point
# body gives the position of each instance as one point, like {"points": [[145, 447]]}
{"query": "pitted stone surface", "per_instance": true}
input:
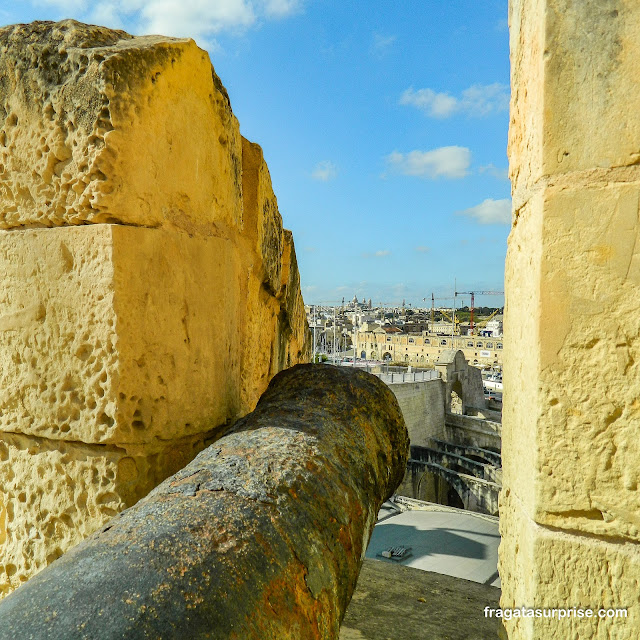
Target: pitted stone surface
{"points": [[569, 510], [94, 355], [55, 493], [98, 126], [144, 304]]}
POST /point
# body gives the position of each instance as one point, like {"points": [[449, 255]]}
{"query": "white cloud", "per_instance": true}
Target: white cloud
{"points": [[478, 100], [198, 19], [195, 18], [108, 15], [381, 44], [280, 8], [481, 100], [437, 105], [448, 162], [324, 171], [496, 172], [490, 212], [423, 249], [382, 253]]}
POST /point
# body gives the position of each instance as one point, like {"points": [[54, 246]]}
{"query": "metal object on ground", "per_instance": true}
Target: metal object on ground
{"points": [[396, 553]]}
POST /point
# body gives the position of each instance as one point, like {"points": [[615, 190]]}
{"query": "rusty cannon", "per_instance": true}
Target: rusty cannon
{"points": [[261, 536]]}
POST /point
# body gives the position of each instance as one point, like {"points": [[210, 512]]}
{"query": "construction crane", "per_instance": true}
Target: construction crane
{"points": [[433, 305], [449, 318], [473, 293], [486, 320]]}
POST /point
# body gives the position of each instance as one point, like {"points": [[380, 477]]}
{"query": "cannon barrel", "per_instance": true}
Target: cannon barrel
{"points": [[261, 536]]}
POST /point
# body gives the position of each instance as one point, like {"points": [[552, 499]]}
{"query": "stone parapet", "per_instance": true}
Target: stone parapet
{"points": [[99, 126], [570, 502], [145, 303]]}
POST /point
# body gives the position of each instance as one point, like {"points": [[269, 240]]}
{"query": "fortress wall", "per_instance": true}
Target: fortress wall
{"points": [[570, 505], [145, 302], [422, 405]]}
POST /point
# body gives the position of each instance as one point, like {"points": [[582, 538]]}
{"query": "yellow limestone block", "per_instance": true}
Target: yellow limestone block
{"points": [[526, 38], [275, 334], [116, 334], [55, 494], [576, 391], [549, 569], [520, 408], [293, 330], [262, 220], [98, 126], [573, 75]]}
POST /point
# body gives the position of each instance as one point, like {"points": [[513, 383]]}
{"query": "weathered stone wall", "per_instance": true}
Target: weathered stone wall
{"points": [[148, 292], [422, 405], [463, 383], [570, 508]]}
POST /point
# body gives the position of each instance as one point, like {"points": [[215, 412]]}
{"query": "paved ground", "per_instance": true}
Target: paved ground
{"points": [[392, 602], [444, 540]]}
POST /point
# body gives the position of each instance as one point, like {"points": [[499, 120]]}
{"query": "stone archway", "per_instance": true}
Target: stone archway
{"points": [[456, 398], [432, 487]]}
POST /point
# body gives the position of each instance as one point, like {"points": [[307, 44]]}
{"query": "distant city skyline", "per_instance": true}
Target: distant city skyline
{"points": [[384, 129]]}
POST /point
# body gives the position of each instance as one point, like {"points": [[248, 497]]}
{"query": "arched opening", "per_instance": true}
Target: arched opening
{"points": [[454, 499], [363, 355], [432, 487], [456, 397], [386, 357]]}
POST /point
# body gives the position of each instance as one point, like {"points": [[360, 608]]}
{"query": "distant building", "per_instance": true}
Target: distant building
{"points": [[392, 344], [494, 327]]}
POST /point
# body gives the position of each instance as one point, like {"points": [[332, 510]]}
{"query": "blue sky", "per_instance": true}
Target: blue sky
{"points": [[384, 125]]}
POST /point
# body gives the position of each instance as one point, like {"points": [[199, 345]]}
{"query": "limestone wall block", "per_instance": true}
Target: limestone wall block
{"points": [[574, 73], [117, 334], [259, 342], [98, 126], [547, 568], [516, 562], [276, 333], [574, 395], [526, 40], [54, 494], [293, 330], [262, 220], [520, 363], [590, 347]]}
